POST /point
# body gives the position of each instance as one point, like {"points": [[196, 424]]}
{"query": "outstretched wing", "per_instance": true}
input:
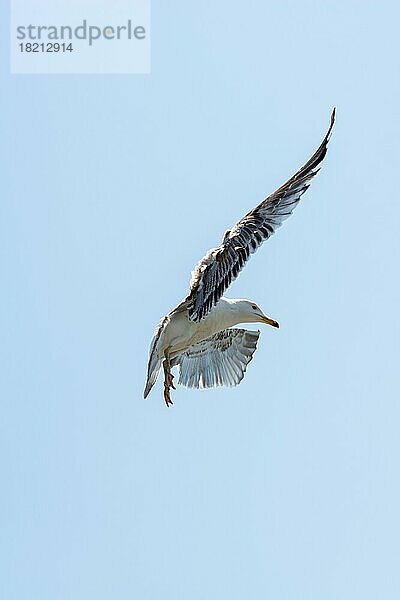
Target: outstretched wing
{"points": [[219, 360], [221, 265]]}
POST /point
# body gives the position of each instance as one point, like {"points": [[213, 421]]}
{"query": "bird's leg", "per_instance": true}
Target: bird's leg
{"points": [[168, 381], [171, 381]]}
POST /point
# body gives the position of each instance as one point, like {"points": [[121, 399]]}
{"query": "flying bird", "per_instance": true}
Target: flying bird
{"points": [[198, 336]]}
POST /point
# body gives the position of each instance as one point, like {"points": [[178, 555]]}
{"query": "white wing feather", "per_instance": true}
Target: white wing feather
{"points": [[219, 360]]}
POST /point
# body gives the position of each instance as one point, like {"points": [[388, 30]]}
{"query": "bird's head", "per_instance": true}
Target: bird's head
{"points": [[250, 312]]}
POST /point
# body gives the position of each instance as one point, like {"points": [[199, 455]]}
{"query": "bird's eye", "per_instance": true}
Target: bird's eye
{"points": [[254, 307]]}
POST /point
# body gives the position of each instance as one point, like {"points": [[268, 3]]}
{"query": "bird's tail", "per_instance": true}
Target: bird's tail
{"points": [[152, 373], [155, 359]]}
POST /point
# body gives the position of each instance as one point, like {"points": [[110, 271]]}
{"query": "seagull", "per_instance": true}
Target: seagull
{"points": [[199, 335]]}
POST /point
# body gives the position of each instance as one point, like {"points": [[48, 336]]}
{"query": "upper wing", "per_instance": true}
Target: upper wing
{"points": [[221, 359], [221, 265]]}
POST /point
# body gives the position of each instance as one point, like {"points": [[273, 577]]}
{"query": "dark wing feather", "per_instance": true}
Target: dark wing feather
{"points": [[221, 265]]}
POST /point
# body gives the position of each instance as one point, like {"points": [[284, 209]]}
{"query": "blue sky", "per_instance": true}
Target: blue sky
{"points": [[114, 187]]}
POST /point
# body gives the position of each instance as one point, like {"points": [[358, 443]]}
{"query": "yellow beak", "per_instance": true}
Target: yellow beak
{"points": [[269, 321]]}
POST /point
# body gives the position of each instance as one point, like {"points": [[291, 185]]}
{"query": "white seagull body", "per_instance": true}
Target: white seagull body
{"points": [[197, 335]]}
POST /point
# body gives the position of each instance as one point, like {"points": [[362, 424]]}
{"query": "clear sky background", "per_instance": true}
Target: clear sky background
{"points": [[287, 486]]}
